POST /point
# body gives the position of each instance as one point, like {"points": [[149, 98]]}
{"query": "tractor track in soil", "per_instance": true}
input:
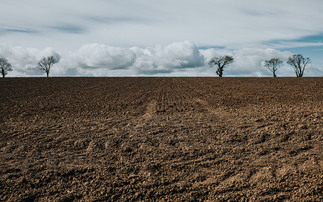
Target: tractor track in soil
{"points": [[124, 139]]}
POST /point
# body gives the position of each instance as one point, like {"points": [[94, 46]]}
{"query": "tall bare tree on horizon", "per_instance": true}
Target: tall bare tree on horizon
{"points": [[299, 63], [46, 63], [5, 67], [221, 62], [273, 65]]}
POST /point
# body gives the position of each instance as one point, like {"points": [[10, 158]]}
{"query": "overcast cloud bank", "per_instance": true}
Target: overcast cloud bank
{"points": [[176, 59], [234, 24]]}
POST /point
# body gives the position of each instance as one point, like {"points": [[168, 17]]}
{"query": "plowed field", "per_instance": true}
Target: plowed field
{"points": [[123, 139]]}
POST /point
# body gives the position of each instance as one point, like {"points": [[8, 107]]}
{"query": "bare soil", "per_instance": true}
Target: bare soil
{"points": [[125, 139]]}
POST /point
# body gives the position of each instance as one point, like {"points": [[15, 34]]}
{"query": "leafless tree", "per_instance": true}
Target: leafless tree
{"points": [[273, 64], [5, 67], [46, 63], [221, 62], [299, 63]]}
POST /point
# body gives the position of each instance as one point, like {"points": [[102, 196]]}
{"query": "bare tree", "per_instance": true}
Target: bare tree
{"points": [[5, 66], [299, 63], [273, 64], [46, 63], [221, 62]]}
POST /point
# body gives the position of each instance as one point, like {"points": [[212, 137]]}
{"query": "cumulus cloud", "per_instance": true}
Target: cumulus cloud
{"points": [[102, 56], [175, 59], [166, 59], [246, 29], [49, 52], [24, 60], [103, 60], [248, 61], [95, 59]]}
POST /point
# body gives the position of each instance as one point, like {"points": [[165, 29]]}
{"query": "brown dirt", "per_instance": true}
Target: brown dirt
{"points": [[121, 139]]}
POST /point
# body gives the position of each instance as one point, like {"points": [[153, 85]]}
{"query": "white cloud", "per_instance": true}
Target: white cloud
{"points": [[103, 60], [246, 29], [24, 60], [292, 44], [234, 24], [92, 56], [175, 59], [166, 59], [248, 61]]}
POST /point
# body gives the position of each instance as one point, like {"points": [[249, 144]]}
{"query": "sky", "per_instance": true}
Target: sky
{"points": [[159, 38]]}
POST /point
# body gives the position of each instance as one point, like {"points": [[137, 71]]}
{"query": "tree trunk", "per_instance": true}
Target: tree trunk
{"points": [[219, 72], [301, 74], [274, 74]]}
